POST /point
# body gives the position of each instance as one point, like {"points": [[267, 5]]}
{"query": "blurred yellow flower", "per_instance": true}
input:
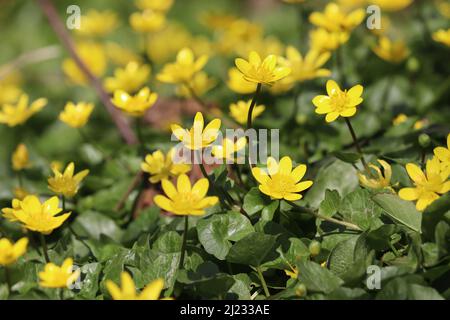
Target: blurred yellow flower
{"points": [[308, 67], [76, 115], [381, 181], [263, 46], [238, 84], [66, 184], [443, 7], [160, 166], [163, 45], [239, 111], [199, 136], [15, 114], [428, 186], [92, 55], [183, 69], [280, 181], [334, 19], [10, 252], [56, 165], [36, 216], [442, 36], [337, 102], [400, 119], [20, 158], [351, 4], [97, 23], [392, 5], [323, 40], [228, 148], [239, 36], [443, 154], [54, 276], [9, 88], [185, 199], [200, 84], [128, 290], [420, 124], [147, 21], [20, 194], [261, 71], [157, 5], [129, 79], [390, 51], [136, 105], [121, 55]]}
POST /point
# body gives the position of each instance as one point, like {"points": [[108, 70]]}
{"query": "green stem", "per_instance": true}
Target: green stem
{"points": [[183, 244], [263, 282], [8, 279], [63, 200], [44, 247], [249, 118], [329, 219], [194, 95], [140, 136], [355, 140]]}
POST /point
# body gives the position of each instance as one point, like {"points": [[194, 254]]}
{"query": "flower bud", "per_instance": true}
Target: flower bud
{"points": [[314, 248], [300, 290], [424, 140]]}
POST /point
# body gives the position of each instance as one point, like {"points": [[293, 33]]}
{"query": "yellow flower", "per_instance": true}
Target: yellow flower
{"points": [[228, 148], [400, 119], [94, 58], [164, 45], [54, 276], [97, 23], [390, 51], [239, 111], [183, 69], [121, 55], [128, 291], [20, 193], [280, 181], [337, 102], [199, 136], [10, 252], [309, 67], [128, 79], [238, 84], [36, 216], [442, 36], [200, 84], [334, 19], [136, 105], [185, 199], [419, 124], [443, 154], [323, 40], [379, 182], [56, 165], [162, 167], [444, 8], [20, 159], [293, 273], [66, 184], [264, 46], [76, 115], [392, 5], [9, 88], [147, 21], [13, 115], [428, 186], [158, 5], [257, 71]]}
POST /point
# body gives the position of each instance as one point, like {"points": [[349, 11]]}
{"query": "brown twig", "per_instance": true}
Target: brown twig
{"points": [[59, 28]]}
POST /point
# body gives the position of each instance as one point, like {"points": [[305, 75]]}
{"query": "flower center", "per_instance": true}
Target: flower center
{"points": [[281, 183], [339, 100]]}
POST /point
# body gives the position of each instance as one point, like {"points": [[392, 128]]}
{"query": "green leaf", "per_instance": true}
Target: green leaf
{"points": [[145, 222], [342, 256], [90, 283], [330, 205], [349, 157], [401, 211], [317, 278], [339, 176], [358, 207], [253, 201], [93, 224], [268, 211], [217, 231], [252, 250]]}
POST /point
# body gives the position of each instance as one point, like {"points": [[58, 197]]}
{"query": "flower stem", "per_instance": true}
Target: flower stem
{"points": [[44, 247], [249, 119], [140, 136], [263, 282], [355, 140], [329, 219], [194, 95], [8, 279], [183, 244], [63, 200]]}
